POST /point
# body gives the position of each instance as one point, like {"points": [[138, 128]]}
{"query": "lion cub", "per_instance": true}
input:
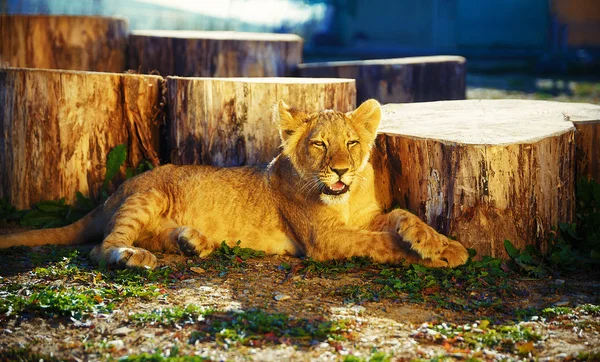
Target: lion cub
{"points": [[315, 199]]}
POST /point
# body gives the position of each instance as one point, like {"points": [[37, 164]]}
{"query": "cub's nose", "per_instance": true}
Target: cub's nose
{"points": [[339, 171]]}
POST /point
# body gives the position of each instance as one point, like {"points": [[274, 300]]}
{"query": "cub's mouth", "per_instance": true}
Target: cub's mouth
{"points": [[337, 188]]}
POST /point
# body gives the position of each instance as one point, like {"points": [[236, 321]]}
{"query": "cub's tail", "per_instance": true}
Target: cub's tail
{"points": [[86, 229]]}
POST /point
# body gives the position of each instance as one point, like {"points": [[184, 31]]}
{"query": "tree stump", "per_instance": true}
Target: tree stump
{"points": [[484, 170], [214, 53], [401, 80], [63, 42], [227, 121], [57, 127]]}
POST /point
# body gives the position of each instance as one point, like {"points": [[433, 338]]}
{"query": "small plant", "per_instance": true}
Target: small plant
{"points": [[56, 213], [158, 357], [256, 327], [573, 246], [237, 252]]}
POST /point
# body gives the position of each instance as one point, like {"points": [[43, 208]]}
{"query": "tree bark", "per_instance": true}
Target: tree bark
{"points": [[57, 127], [485, 171], [214, 53], [63, 42], [401, 80], [227, 121]]}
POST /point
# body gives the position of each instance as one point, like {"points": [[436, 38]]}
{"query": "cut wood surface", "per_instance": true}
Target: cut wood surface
{"points": [[63, 42], [214, 53], [57, 127], [400, 80], [486, 170], [227, 121]]}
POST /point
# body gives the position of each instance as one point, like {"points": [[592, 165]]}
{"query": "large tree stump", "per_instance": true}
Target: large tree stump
{"points": [[57, 127], [401, 80], [587, 140], [214, 53], [484, 170], [227, 121], [63, 42]]}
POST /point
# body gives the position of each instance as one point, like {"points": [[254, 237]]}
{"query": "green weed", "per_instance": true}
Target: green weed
{"points": [[158, 357], [374, 357], [255, 327], [56, 213], [24, 354], [332, 267], [476, 285], [573, 246], [501, 338], [226, 258]]}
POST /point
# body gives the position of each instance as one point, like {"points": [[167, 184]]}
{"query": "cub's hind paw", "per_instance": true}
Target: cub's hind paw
{"points": [[191, 242], [124, 257]]}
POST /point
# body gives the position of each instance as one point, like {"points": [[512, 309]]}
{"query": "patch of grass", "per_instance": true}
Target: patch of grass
{"points": [[374, 357], [256, 327], [555, 311], [158, 357], [171, 316], [24, 354], [585, 89], [476, 285], [226, 258], [55, 302], [333, 267], [96, 291], [503, 338], [589, 356]]}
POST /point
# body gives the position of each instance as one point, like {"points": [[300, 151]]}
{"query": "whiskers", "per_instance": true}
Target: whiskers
{"points": [[310, 184]]}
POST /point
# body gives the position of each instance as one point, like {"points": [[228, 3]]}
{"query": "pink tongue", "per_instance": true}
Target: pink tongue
{"points": [[338, 186]]}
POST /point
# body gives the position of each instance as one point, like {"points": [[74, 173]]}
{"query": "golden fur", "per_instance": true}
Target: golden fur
{"points": [[317, 198]]}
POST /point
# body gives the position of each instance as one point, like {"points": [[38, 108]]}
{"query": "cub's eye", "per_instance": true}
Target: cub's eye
{"points": [[352, 143], [318, 144]]}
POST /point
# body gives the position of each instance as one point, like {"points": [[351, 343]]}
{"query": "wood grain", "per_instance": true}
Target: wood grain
{"points": [[57, 127], [401, 80], [214, 53], [63, 42], [227, 121], [485, 171]]}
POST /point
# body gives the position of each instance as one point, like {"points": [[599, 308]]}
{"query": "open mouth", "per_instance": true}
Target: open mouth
{"points": [[337, 188]]}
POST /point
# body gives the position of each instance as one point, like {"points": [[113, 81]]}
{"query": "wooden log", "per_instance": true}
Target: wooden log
{"points": [[214, 53], [483, 170], [227, 121], [63, 42], [401, 80], [57, 127], [588, 150]]}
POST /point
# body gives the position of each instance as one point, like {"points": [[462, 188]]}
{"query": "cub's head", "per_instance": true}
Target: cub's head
{"points": [[328, 148]]}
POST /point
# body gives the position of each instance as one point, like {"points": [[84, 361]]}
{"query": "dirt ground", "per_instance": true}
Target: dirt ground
{"points": [[307, 296]]}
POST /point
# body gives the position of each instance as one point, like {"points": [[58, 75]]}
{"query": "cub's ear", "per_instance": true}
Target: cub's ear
{"points": [[287, 119], [367, 115]]}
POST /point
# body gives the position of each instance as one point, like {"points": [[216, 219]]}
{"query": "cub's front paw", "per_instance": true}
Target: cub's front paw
{"points": [[455, 254], [191, 242], [428, 243], [124, 257]]}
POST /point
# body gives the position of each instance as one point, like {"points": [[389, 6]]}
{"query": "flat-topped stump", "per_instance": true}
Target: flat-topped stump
{"points": [[92, 43], [399, 80], [57, 127], [227, 121], [214, 53], [485, 171]]}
